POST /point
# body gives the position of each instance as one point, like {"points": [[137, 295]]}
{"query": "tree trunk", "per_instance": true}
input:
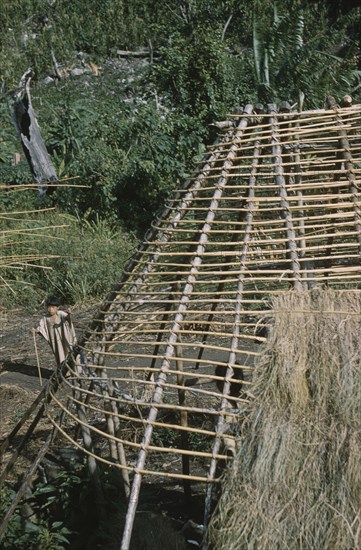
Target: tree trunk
{"points": [[27, 127]]}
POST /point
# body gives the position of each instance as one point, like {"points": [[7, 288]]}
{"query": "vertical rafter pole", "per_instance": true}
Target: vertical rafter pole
{"points": [[184, 442], [346, 155], [235, 336], [285, 208], [172, 340]]}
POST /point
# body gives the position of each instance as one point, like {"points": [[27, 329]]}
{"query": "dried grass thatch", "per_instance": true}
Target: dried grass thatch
{"points": [[296, 481]]}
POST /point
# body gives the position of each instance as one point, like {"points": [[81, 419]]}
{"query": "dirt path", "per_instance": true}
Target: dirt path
{"points": [[19, 373]]}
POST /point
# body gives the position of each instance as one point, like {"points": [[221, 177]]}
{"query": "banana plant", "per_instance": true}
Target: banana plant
{"points": [[270, 44], [264, 49], [299, 53]]}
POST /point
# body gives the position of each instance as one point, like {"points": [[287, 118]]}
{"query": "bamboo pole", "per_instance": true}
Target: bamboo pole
{"points": [[234, 342], [173, 339], [317, 139], [164, 320], [86, 436], [116, 447], [37, 357], [190, 409], [311, 112], [323, 115], [184, 443], [269, 222], [346, 157], [142, 472], [162, 235], [138, 446]]}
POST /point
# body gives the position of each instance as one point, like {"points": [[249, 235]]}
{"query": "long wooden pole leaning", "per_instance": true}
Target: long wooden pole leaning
{"points": [[172, 340], [221, 423], [37, 357]]}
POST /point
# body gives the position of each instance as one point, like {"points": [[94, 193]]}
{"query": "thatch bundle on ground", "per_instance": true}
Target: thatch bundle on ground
{"points": [[296, 481]]}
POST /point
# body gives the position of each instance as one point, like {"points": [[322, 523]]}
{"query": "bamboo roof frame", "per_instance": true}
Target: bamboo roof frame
{"points": [[265, 212]]}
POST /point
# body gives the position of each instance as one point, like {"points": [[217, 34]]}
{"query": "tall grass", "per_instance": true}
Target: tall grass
{"points": [[77, 259]]}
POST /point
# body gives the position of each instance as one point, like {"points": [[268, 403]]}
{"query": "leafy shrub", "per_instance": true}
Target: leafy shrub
{"points": [[201, 76], [40, 534], [66, 512], [130, 153]]}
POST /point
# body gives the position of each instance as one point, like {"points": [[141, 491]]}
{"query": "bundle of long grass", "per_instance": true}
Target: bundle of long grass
{"points": [[296, 481]]}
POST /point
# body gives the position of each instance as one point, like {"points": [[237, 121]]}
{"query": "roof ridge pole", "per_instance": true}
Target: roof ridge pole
{"points": [[285, 208], [220, 428], [172, 340]]}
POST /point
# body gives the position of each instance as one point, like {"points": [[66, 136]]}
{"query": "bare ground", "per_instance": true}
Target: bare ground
{"points": [[163, 521], [22, 359]]}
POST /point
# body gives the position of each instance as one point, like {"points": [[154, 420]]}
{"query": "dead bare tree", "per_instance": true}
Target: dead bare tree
{"points": [[27, 127]]}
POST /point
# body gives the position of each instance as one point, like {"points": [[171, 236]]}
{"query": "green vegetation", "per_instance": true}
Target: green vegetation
{"points": [[76, 258], [41, 531], [125, 132], [63, 512]]}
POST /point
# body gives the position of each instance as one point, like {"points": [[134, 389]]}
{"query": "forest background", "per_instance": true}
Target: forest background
{"points": [[124, 131]]}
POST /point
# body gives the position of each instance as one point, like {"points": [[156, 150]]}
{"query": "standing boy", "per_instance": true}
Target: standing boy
{"points": [[57, 329]]}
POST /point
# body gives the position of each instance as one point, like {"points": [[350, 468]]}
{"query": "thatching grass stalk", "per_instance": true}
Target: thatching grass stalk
{"points": [[296, 481]]}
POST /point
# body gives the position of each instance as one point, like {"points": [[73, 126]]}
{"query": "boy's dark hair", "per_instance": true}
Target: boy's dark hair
{"points": [[53, 301]]}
